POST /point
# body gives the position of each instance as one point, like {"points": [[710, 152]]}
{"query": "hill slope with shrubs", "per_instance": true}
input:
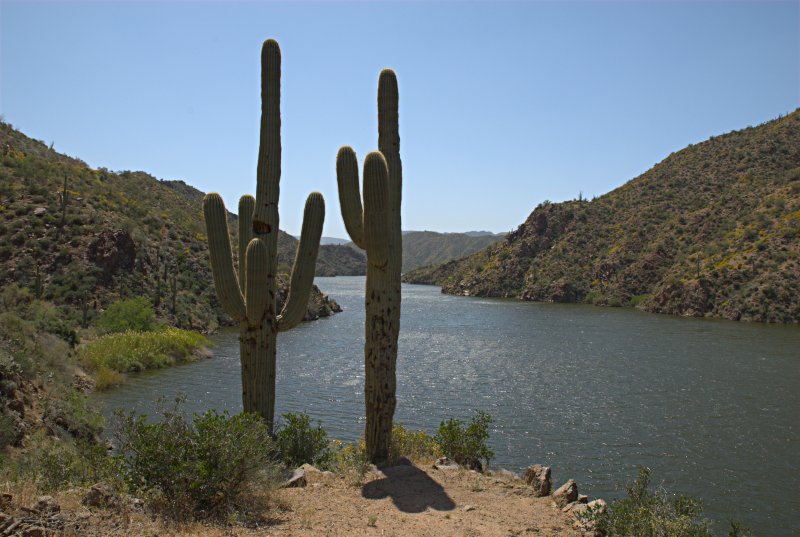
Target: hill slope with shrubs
{"points": [[120, 234], [713, 230]]}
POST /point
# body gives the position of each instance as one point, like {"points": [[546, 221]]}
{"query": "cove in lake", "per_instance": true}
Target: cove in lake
{"points": [[711, 406]]}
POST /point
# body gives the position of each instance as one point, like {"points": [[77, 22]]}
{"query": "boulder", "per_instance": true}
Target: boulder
{"points": [[101, 495], [597, 505], [17, 406], [566, 493], [583, 498], [39, 211], [112, 251], [46, 505], [575, 508], [538, 477], [443, 463], [297, 480]]}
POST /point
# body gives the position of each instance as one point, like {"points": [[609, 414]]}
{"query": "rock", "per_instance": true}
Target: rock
{"points": [[39, 211], [310, 469], [111, 251], [475, 465], [507, 474], [575, 508], [8, 388], [297, 480], [583, 498], [538, 477], [17, 406], [597, 505], [101, 495], [469, 508], [566, 493], [137, 504], [587, 526], [34, 531], [443, 463], [46, 504]]}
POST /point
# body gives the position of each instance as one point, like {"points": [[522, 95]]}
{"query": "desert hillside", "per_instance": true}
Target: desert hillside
{"points": [[83, 238], [712, 230]]}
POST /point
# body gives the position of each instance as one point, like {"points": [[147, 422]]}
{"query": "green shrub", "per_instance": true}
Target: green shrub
{"points": [[349, 460], [417, 446], [199, 468], [53, 464], [298, 442], [466, 444], [9, 434], [137, 351], [130, 314], [645, 513], [70, 410]]}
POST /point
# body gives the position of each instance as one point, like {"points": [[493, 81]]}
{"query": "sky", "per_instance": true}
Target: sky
{"points": [[502, 104]]}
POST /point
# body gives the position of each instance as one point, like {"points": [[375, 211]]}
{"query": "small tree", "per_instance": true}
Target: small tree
{"points": [[129, 314], [466, 444]]}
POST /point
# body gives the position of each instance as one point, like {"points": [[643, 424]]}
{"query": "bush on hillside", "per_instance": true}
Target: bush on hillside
{"points": [[130, 314], [647, 513], [197, 468], [466, 443], [138, 351], [417, 446], [299, 442]]}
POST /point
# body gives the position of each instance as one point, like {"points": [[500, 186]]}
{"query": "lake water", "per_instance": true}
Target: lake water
{"points": [[713, 407]]}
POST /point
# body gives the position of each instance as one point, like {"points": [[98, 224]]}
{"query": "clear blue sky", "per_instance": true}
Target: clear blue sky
{"points": [[502, 105]]}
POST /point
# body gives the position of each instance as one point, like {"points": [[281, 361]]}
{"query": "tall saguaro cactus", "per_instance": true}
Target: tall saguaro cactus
{"points": [[249, 297], [375, 228]]}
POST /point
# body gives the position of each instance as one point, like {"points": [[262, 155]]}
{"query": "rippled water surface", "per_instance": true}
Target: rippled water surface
{"points": [[713, 407]]}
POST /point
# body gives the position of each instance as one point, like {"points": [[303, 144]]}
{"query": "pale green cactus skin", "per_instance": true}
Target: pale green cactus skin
{"points": [[375, 228], [249, 294]]}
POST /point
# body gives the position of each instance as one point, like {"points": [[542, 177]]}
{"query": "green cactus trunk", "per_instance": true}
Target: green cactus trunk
{"points": [[376, 229], [250, 297]]}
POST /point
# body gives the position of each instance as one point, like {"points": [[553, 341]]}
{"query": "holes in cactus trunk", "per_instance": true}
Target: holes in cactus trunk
{"points": [[261, 227]]}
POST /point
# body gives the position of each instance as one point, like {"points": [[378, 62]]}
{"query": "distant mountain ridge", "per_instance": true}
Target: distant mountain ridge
{"points": [[712, 230], [421, 248]]}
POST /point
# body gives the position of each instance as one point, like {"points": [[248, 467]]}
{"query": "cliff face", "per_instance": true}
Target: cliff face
{"points": [[122, 234], [712, 230]]}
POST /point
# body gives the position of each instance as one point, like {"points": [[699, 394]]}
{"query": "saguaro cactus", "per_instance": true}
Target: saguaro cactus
{"points": [[250, 297], [375, 228]]}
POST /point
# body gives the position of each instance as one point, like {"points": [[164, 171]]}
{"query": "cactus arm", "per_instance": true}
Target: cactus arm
{"points": [[246, 205], [349, 195], [256, 288], [265, 217], [219, 248], [304, 263], [376, 222]]}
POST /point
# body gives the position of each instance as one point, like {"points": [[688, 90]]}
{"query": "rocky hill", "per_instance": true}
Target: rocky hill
{"points": [[712, 230], [119, 234]]}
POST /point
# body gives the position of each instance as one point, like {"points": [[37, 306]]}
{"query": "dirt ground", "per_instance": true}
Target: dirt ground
{"points": [[402, 501], [420, 501]]}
